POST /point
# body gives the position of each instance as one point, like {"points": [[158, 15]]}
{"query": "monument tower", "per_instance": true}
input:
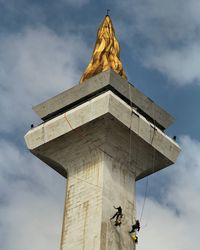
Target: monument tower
{"points": [[102, 135]]}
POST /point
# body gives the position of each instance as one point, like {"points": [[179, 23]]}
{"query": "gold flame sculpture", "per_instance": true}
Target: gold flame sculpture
{"points": [[106, 53]]}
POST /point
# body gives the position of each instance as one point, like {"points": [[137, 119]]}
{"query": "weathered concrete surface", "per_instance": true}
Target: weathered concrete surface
{"points": [[96, 85], [102, 146], [96, 182]]}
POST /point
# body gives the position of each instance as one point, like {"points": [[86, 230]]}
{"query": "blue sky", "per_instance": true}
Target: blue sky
{"points": [[44, 48]]}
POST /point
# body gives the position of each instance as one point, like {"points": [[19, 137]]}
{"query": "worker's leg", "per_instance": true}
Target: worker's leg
{"points": [[114, 216]]}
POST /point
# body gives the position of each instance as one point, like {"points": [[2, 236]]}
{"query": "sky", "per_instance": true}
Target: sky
{"points": [[44, 48]]}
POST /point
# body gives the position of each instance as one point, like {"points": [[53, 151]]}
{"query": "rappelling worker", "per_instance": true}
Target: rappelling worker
{"points": [[134, 230], [118, 216], [135, 227]]}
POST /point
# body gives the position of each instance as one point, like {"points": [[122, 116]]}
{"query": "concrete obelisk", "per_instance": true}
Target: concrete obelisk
{"points": [[102, 135]]}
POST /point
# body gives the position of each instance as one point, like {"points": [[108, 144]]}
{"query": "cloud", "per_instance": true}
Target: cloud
{"points": [[181, 65], [172, 222], [31, 201], [166, 36], [35, 64]]}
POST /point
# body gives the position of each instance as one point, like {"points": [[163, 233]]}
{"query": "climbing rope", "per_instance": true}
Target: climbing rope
{"points": [[130, 128], [153, 167], [145, 197], [154, 151]]}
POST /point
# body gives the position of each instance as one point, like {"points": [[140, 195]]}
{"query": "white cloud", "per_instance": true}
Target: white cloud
{"points": [[180, 65], [170, 33], [34, 65], [173, 222], [31, 202]]}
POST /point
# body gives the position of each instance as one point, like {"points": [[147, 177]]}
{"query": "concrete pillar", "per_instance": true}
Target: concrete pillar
{"points": [[100, 175], [96, 182], [102, 136]]}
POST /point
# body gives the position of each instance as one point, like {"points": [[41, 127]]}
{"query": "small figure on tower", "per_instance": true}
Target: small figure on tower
{"points": [[135, 229], [136, 226], [118, 216]]}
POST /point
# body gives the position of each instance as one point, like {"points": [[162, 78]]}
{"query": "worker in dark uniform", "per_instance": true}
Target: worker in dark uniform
{"points": [[118, 216], [135, 227]]}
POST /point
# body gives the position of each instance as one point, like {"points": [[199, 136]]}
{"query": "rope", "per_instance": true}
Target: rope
{"points": [[130, 144], [153, 168], [145, 197], [68, 121], [130, 134]]}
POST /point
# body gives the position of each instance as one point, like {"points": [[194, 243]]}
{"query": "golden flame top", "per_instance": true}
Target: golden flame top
{"points": [[106, 53]]}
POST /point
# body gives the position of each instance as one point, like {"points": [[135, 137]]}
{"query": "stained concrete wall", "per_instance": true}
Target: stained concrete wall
{"points": [[83, 204], [118, 190], [96, 182]]}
